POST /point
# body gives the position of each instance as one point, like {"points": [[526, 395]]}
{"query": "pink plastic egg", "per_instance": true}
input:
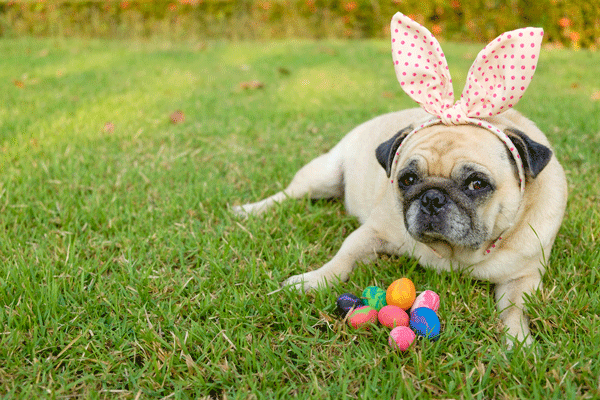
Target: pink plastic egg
{"points": [[393, 316], [362, 317], [401, 338], [428, 299]]}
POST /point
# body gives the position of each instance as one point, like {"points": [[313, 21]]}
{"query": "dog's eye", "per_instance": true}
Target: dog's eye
{"points": [[476, 184], [408, 179]]}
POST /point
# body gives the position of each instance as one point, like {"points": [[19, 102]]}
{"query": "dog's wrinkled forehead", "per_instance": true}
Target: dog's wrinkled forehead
{"points": [[444, 151], [440, 145]]}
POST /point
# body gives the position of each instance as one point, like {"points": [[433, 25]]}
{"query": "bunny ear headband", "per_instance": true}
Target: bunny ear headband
{"points": [[496, 81]]}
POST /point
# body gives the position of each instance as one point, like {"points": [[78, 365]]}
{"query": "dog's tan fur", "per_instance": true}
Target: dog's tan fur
{"points": [[528, 225]]}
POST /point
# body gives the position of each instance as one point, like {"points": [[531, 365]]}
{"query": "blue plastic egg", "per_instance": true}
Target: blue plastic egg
{"points": [[425, 322]]}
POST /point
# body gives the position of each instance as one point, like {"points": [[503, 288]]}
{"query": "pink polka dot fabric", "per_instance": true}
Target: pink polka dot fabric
{"points": [[496, 81]]}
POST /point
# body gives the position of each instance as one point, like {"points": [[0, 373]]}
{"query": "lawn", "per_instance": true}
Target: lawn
{"points": [[124, 275]]}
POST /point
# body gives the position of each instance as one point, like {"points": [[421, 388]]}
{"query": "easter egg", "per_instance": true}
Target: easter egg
{"points": [[429, 299], [401, 293], [425, 322], [401, 337], [347, 302], [392, 316], [362, 317], [374, 296]]}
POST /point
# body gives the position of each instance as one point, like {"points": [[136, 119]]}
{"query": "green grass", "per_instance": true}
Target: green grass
{"points": [[123, 275]]}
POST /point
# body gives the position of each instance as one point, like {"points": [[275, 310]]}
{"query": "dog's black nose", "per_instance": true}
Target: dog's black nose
{"points": [[432, 201]]}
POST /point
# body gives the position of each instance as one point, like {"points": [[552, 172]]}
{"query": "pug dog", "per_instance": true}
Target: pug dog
{"points": [[486, 200]]}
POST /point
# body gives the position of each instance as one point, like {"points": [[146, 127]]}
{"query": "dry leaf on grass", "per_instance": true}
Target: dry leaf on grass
{"points": [[252, 85], [177, 117], [283, 71]]}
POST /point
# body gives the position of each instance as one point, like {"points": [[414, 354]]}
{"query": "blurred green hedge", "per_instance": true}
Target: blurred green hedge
{"points": [[571, 23]]}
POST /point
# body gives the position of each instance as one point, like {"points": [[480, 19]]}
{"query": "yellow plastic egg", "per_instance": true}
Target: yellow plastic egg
{"points": [[401, 293]]}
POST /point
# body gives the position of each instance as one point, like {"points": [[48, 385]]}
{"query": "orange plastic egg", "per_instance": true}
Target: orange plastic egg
{"points": [[401, 293]]}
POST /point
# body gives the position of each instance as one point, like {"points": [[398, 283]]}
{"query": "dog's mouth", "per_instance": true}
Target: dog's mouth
{"points": [[432, 236], [424, 230]]}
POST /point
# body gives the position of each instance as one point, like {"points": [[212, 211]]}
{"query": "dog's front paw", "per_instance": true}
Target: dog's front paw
{"points": [[305, 282], [257, 208], [512, 341], [241, 211]]}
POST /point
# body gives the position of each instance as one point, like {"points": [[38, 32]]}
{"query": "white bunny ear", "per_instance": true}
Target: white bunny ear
{"points": [[501, 73], [496, 81], [420, 65]]}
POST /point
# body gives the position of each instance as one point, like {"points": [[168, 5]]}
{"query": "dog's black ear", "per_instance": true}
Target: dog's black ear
{"points": [[386, 151], [535, 156]]}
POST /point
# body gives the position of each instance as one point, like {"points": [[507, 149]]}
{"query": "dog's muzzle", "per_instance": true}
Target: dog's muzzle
{"points": [[433, 216]]}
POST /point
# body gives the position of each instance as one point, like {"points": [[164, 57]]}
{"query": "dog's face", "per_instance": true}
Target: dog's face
{"points": [[458, 186]]}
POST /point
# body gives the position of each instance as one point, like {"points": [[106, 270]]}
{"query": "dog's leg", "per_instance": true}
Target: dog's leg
{"points": [[321, 178], [361, 246], [509, 297]]}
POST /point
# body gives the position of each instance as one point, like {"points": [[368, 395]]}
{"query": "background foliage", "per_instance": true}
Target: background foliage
{"points": [[570, 23]]}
